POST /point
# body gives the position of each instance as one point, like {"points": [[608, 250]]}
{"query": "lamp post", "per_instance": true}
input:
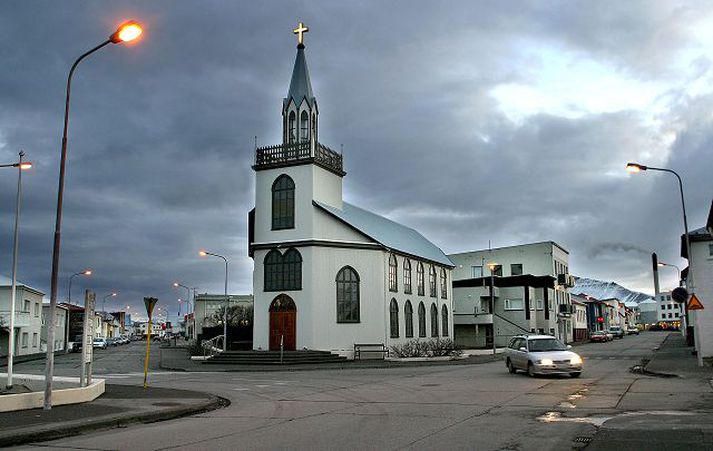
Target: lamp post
{"points": [[662, 264], [86, 272], [126, 32], [225, 308], [188, 289], [492, 267], [20, 165], [110, 295]]}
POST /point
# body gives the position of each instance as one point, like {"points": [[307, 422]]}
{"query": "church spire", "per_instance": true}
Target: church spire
{"points": [[299, 108]]}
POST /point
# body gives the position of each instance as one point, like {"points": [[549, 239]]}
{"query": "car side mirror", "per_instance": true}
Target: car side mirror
{"points": [[523, 349], [569, 346]]}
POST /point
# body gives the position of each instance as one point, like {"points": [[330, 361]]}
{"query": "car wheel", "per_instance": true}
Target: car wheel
{"points": [[531, 369], [575, 375], [511, 368]]}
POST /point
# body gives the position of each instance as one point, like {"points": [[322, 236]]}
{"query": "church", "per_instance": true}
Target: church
{"points": [[328, 274]]}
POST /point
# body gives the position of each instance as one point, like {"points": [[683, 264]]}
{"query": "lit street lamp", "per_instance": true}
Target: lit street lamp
{"points": [[203, 253], [86, 272], [126, 32], [110, 295], [21, 165], [188, 299], [662, 264]]}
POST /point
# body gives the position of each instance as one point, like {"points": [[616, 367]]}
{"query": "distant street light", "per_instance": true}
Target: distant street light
{"points": [[662, 264], [188, 289], [126, 32], [86, 272], [21, 165], [110, 295], [204, 253]]}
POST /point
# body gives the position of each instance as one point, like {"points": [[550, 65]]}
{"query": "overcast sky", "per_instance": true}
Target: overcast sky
{"points": [[473, 122]]}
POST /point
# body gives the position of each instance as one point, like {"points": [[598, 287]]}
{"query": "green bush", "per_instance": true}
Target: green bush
{"points": [[435, 347]]}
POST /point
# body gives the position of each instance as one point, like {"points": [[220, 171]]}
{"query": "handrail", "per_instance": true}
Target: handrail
{"points": [[213, 346]]}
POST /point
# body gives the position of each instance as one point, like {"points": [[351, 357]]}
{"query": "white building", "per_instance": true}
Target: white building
{"points": [[328, 274], [61, 321], [701, 260], [667, 310], [579, 320], [542, 300], [28, 317]]}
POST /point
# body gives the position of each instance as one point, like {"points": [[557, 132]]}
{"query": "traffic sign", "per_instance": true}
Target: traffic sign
{"points": [[679, 294], [694, 303], [150, 304]]}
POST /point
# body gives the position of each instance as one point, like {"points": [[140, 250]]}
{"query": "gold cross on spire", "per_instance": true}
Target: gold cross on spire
{"points": [[299, 31]]}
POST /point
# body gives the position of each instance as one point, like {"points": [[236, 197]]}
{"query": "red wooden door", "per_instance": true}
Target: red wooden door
{"points": [[283, 323]]}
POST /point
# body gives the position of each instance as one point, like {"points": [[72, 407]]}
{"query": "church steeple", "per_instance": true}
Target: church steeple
{"points": [[299, 108]]}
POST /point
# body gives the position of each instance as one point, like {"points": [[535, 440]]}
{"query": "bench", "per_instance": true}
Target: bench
{"points": [[378, 348]]}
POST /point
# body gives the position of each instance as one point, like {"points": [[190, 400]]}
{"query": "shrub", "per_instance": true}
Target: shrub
{"points": [[195, 348], [435, 347]]}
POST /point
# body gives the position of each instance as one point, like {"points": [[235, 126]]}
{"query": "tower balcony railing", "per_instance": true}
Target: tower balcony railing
{"points": [[285, 154]]}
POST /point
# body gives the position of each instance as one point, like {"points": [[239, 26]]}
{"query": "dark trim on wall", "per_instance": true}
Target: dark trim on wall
{"points": [[547, 302], [527, 302], [315, 243]]}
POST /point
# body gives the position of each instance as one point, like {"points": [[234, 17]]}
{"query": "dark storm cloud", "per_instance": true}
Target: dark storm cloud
{"points": [[162, 133]]}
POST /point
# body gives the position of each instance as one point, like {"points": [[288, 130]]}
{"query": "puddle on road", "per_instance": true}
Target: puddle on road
{"points": [[556, 417]]}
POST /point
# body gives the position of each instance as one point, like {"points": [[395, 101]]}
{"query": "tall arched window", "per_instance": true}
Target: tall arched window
{"points": [[292, 128], [444, 320], [432, 281], [393, 273], [304, 126], [421, 320], [407, 276], [292, 270], [283, 203], [434, 320], [444, 284], [394, 318], [347, 295], [408, 319], [419, 279], [273, 270]]}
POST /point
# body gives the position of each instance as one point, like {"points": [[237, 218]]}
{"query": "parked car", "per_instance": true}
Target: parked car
{"points": [[599, 337], [617, 331], [541, 354], [632, 330], [124, 340], [113, 341], [100, 342]]}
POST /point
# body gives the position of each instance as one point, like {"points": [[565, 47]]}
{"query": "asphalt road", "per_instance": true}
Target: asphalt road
{"points": [[446, 407]]}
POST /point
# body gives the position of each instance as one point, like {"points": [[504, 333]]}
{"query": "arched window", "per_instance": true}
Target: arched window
{"points": [[304, 126], [273, 270], [292, 270], [421, 320], [292, 128], [444, 320], [419, 279], [394, 318], [434, 320], [408, 319], [283, 203], [347, 295], [432, 281], [393, 273], [444, 284], [407, 276]]}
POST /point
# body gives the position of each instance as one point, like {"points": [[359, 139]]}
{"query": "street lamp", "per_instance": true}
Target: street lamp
{"points": [[491, 267], [126, 32], [110, 295], [86, 272], [21, 165], [204, 253], [662, 264], [188, 289]]}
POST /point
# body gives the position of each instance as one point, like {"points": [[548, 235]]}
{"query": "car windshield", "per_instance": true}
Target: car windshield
{"points": [[546, 344]]}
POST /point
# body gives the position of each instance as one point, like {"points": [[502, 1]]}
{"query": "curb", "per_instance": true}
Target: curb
{"points": [[53, 432]]}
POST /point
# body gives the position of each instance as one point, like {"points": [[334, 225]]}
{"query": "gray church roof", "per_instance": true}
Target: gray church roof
{"points": [[388, 233], [300, 85]]}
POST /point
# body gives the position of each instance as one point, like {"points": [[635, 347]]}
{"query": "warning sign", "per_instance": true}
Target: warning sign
{"points": [[694, 303]]}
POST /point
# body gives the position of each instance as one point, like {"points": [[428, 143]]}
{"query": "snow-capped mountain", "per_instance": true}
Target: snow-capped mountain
{"points": [[600, 289]]}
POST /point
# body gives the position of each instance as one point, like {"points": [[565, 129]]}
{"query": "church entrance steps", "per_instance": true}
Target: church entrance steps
{"points": [[273, 357]]}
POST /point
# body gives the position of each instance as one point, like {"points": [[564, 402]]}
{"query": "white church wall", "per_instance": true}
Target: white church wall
{"points": [[328, 227], [327, 187]]}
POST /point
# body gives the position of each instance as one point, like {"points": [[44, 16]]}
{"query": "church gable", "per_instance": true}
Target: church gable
{"points": [[326, 226]]}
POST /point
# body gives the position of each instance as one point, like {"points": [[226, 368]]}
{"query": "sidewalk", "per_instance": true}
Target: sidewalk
{"points": [[674, 358], [118, 406]]}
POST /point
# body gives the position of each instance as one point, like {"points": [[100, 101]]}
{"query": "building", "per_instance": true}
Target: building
{"points": [[61, 323], [328, 274], [28, 317], [206, 307], [669, 313], [532, 284], [701, 280], [579, 320], [648, 313]]}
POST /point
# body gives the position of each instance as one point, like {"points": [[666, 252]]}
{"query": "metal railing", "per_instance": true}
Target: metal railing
{"points": [[269, 156], [214, 346]]}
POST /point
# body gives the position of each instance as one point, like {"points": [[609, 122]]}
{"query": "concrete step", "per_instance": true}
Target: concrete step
{"points": [[273, 357]]}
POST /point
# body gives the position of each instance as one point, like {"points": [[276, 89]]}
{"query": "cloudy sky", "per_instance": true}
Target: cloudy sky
{"points": [[500, 122]]}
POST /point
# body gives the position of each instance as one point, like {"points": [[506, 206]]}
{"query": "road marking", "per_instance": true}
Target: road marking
{"points": [[241, 389], [261, 386]]}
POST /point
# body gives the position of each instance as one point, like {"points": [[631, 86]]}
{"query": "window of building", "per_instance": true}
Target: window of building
{"points": [[283, 272], [292, 127], [37, 309], [408, 319], [516, 269], [668, 297], [347, 295], [283, 203], [444, 320], [394, 318], [710, 250], [304, 126], [421, 320], [420, 279], [476, 271], [24, 339], [432, 281], [407, 276], [34, 340], [514, 304], [540, 304], [676, 314], [498, 270], [26, 306], [434, 320], [393, 274], [444, 284], [670, 315]]}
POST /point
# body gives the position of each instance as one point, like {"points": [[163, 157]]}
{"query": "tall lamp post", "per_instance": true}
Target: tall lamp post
{"points": [[86, 272], [110, 295], [225, 308], [662, 264], [126, 32], [188, 289], [20, 165]]}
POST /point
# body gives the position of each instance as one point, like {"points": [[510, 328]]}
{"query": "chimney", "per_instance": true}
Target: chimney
{"points": [[655, 263]]}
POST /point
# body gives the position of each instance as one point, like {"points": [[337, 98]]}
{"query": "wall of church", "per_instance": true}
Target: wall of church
{"points": [[328, 227]]}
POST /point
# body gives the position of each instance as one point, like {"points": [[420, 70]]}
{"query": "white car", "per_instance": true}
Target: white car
{"points": [[542, 354], [100, 342]]}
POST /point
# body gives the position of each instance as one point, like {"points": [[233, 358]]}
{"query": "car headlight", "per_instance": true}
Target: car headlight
{"points": [[576, 360], [546, 362]]}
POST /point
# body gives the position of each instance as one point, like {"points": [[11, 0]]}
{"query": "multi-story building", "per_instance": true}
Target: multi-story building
{"points": [[61, 322], [28, 318], [579, 320], [668, 312], [530, 294], [648, 313]]}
